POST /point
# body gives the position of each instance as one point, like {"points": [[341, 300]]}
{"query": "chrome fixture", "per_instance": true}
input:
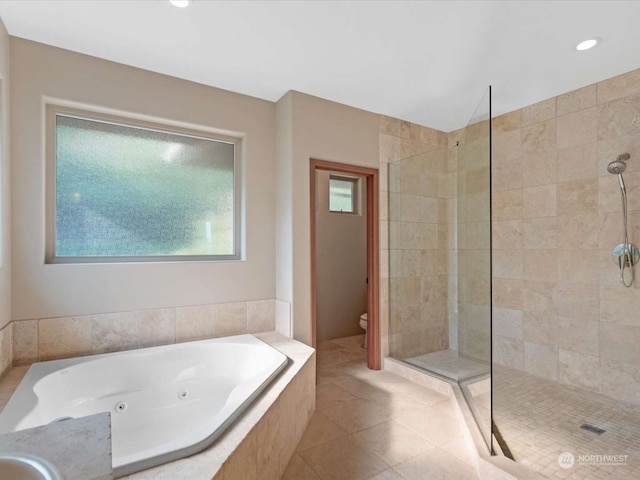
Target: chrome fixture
{"points": [[626, 255]]}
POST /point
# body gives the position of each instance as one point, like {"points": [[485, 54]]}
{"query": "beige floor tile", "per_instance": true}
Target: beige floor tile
{"points": [[360, 387], [354, 368], [393, 383], [349, 342], [384, 381], [357, 414], [429, 423], [397, 403], [328, 347], [393, 442], [322, 379], [330, 395], [391, 421], [343, 459], [420, 393], [459, 449], [321, 429], [299, 470], [364, 388], [436, 464], [341, 355], [390, 474], [446, 407]]}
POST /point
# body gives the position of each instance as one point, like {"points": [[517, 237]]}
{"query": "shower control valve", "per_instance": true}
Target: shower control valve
{"points": [[627, 257]]}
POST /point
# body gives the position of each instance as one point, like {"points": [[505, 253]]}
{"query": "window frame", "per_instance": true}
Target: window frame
{"points": [[355, 194], [53, 110]]}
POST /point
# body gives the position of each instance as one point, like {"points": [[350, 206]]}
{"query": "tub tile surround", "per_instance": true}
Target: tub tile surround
{"points": [[560, 311], [64, 337], [260, 444]]}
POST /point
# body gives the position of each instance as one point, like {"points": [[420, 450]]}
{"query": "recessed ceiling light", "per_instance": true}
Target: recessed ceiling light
{"points": [[587, 44], [180, 3]]}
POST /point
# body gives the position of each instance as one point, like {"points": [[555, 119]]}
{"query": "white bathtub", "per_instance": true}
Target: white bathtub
{"points": [[165, 402]]}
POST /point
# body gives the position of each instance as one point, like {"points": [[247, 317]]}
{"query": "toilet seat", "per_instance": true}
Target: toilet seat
{"points": [[363, 325]]}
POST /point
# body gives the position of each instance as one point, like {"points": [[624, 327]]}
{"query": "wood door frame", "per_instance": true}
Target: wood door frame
{"points": [[374, 360]]}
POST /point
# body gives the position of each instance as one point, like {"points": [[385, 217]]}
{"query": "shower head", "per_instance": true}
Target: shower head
{"points": [[618, 165]]}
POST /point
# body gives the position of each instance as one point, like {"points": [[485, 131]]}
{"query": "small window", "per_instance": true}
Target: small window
{"points": [[120, 191], [342, 194]]}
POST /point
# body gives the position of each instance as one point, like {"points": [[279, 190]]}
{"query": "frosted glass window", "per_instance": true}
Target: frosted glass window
{"points": [[342, 195], [129, 191]]}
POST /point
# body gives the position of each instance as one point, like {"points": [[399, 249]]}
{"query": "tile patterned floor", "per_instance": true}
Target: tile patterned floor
{"points": [[540, 419], [376, 425]]}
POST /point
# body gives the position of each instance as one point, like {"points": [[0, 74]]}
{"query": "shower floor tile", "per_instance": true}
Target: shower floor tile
{"points": [[449, 364], [540, 419]]}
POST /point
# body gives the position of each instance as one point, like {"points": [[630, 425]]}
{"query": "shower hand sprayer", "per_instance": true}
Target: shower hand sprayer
{"points": [[626, 255]]}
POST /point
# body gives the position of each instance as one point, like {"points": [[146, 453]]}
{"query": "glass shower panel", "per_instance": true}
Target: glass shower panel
{"points": [[418, 268], [473, 227], [440, 262]]}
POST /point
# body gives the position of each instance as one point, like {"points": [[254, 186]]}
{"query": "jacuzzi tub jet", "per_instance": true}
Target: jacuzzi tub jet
{"points": [[183, 394], [121, 407]]}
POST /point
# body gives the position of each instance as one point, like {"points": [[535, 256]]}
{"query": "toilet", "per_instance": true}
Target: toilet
{"points": [[363, 325]]}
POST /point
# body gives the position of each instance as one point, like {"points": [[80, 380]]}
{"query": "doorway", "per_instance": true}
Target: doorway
{"points": [[369, 176]]}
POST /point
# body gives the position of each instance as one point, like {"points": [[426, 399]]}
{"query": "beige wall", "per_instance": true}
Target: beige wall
{"points": [[42, 291], [559, 308], [5, 227], [5, 171], [341, 264], [323, 129], [326, 131], [284, 207]]}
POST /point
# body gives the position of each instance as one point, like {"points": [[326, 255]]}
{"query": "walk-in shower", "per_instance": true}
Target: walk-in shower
{"points": [[626, 255], [440, 261], [549, 364]]}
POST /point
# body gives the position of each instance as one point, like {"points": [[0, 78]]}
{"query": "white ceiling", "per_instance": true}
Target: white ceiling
{"points": [[425, 61]]}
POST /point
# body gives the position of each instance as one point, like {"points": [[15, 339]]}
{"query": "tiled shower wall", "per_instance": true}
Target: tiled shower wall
{"points": [[62, 337], [560, 311], [415, 200]]}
